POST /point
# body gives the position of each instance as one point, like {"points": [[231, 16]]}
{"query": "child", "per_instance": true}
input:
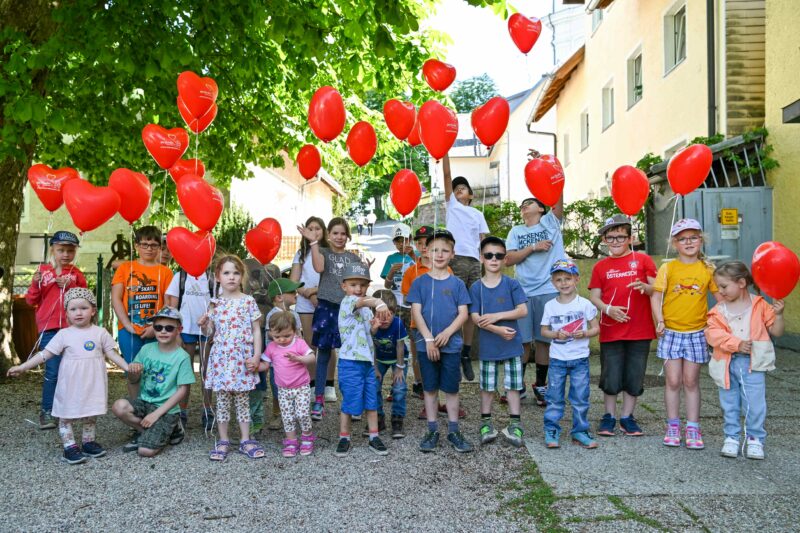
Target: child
{"points": [[397, 263], [390, 337], [331, 263], [137, 292], [287, 357], [233, 318], [282, 293], [569, 321], [679, 304], [46, 293], [468, 227], [162, 371], [497, 303], [357, 381], [739, 329], [439, 306], [81, 394]]}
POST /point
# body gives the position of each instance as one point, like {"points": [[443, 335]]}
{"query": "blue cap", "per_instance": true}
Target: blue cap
{"points": [[64, 237], [564, 265]]}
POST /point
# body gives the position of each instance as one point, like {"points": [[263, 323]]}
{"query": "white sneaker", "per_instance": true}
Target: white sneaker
{"points": [[754, 450], [330, 395], [730, 448]]}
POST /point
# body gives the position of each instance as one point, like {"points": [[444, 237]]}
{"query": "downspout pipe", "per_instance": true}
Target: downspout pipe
{"points": [[548, 133], [712, 68]]}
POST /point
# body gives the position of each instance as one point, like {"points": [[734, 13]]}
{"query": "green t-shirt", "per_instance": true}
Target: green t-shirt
{"points": [[163, 373]]}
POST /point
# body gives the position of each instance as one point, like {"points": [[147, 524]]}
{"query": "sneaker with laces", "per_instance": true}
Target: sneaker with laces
{"points": [[730, 448], [606, 426], [461, 445], [551, 437], [92, 449], [307, 444], [754, 449], [539, 392], [377, 446], [330, 395], [466, 368], [487, 433], [630, 427], [429, 442], [514, 435], [73, 455], [397, 427], [46, 420], [133, 444], [672, 437], [582, 438], [694, 438], [317, 410], [343, 448]]}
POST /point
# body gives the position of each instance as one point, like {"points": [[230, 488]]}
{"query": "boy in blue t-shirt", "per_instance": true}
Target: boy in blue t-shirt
{"points": [[497, 303], [439, 303], [390, 338]]}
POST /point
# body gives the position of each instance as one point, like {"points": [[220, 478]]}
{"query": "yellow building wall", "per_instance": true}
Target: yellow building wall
{"points": [[782, 88], [673, 107]]}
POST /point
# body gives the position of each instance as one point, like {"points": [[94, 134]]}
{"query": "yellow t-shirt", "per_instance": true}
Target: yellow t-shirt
{"points": [[685, 287]]}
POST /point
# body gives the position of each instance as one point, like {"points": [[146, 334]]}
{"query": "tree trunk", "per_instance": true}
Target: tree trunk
{"points": [[377, 198]]}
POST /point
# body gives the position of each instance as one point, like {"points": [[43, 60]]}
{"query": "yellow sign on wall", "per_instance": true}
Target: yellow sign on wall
{"points": [[729, 216]]}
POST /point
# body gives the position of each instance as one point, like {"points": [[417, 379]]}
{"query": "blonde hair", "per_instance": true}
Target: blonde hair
{"points": [[52, 256], [237, 262], [282, 320]]}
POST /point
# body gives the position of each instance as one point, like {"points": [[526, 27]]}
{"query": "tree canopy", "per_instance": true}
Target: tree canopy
{"points": [[472, 92]]}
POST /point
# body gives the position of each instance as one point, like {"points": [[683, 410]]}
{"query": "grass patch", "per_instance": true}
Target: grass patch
{"points": [[630, 514], [647, 408], [693, 516], [536, 500]]}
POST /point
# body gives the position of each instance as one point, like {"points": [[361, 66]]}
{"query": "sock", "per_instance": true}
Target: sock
{"points": [[452, 427], [373, 435], [486, 416], [433, 426], [465, 351], [673, 421], [329, 383], [344, 436], [514, 419], [695, 425], [541, 375]]}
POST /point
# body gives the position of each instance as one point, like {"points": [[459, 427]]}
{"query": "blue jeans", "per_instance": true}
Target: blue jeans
{"points": [[398, 389], [130, 344], [50, 371], [747, 396], [578, 372]]}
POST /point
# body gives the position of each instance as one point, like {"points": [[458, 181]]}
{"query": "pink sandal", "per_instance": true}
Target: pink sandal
{"points": [[307, 444], [289, 448]]}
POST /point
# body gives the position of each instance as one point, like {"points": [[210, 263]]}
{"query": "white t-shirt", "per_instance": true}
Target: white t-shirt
{"points": [[310, 278], [573, 316], [466, 224], [195, 300]]}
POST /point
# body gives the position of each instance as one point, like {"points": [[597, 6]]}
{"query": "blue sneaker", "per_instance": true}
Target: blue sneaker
{"points": [[551, 437], [92, 449], [630, 427], [458, 441], [429, 442], [317, 410], [582, 438], [606, 425], [73, 455]]}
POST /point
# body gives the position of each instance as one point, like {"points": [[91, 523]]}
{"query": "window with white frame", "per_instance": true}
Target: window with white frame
{"points": [[608, 105], [597, 18], [584, 129], [565, 149], [635, 87], [674, 36]]}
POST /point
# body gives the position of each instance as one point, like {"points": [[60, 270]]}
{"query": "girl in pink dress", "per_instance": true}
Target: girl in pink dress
{"points": [[233, 319], [82, 390]]}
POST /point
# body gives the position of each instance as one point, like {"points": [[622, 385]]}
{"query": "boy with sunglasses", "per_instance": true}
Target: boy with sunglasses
{"points": [[497, 303], [162, 373]]}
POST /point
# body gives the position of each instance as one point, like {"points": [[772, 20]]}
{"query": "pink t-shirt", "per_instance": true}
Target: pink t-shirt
{"points": [[288, 374]]}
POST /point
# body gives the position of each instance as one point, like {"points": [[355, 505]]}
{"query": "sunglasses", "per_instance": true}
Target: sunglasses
{"points": [[169, 328], [499, 255]]}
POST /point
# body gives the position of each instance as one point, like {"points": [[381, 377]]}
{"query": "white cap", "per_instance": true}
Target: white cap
{"points": [[401, 230], [684, 224]]}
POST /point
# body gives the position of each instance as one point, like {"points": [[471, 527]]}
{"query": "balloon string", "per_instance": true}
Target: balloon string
{"points": [[50, 223]]}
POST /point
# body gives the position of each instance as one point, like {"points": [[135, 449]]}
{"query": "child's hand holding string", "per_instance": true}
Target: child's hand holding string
{"points": [[640, 286], [487, 320], [778, 306], [382, 312], [506, 333], [618, 313], [442, 339], [134, 369]]}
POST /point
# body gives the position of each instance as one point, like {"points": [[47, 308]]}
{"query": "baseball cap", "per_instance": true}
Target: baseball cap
{"points": [[617, 220], [564, 265], [167, 312], [401, 231], [423, 232], [282, 286], [684, 224], [461, 180], [441, 234], [64, 237], [356, 271], [491, 239]]}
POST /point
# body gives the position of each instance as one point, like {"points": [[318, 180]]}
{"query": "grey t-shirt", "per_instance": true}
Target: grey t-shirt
{"points": [[330, 280]]}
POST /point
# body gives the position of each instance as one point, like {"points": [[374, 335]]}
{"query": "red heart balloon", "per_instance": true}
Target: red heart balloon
{"points": [[405, 191], [166, 146], [399, 117], [200, 124], [326, 113], [553, 160], [439, 75], [524, 31], [629, 189], [192, 251], [413, 136], [47, 183], [264, 241], [134, 193], [689, 168], [545, 180], [308, 161], [199, 94], [361, 143], [201, 202], [776, 269], [187, 166], [90, 206], [490, 120], [438, 128]]}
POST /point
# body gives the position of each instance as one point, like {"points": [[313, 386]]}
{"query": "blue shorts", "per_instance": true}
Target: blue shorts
{"points": [[530, 327], [443, 375], [677, 345], [325, 326], [358, 385], [130, 344], [189, 338]]}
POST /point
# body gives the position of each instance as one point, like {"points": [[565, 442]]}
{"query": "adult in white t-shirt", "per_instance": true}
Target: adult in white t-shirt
{"points": [[468, 227], [371, 219]]}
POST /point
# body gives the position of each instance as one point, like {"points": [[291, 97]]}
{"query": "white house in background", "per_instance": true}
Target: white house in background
{"points": [[567, 24]]}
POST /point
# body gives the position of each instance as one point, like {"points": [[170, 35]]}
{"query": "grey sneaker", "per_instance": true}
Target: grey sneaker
{"points": [[133, 445], [459, 442], [514, 435], [488, 433], [429, 442], [46, 420]]}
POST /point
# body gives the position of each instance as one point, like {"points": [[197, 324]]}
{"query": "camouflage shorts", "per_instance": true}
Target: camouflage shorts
{"points": [[467, 269], [156, 436]]}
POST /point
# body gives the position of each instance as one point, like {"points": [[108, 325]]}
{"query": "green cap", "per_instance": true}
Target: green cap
{"points": [[282, 286]]}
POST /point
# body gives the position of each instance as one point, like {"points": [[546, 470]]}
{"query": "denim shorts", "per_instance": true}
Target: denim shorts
{"points": [[677, 345], [325, 326], [130, 344], [622, 366], [443, 375], [358, 385], [530, 327], [189, 338]]}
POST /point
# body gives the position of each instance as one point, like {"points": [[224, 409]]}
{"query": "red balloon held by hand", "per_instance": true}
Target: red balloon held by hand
{"points": [[264, 241], [134, 193], [198, 94], [166, 146], [439, 75], [201, 202], [776, 269], [197, 124], [688, 168], [308, 161], [629, 189], [47, 183], [524, 31], [399, 117], [192, 251], [90, 207], [413, 136], [438, 128], [545, 179], [361, 143], [405, 191], [183, 167], [326, 114], [490, 120]]}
